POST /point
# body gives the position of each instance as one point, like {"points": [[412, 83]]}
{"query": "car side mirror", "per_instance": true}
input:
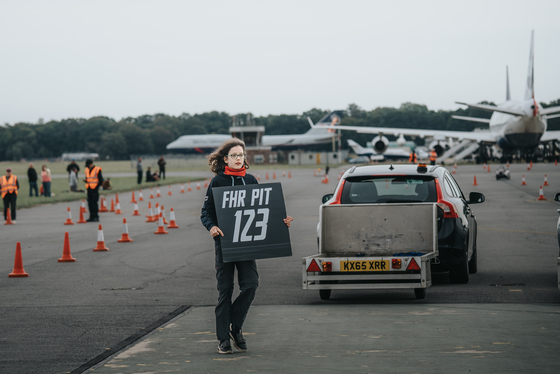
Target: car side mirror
{"points": [[557, 196], [326, 198], [476, 198]]}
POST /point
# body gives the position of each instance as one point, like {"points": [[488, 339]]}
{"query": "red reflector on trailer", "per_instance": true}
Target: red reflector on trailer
{"points": [[327, 266], [313, 266], [396, 263], [413, 265]]}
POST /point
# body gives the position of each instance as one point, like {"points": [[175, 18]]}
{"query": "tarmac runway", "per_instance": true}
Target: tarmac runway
{"points": [[154, 298]]}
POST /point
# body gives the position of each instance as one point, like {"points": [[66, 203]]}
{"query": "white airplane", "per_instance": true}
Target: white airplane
{"points": [[321, 133], [388, 154], [513, 125]]}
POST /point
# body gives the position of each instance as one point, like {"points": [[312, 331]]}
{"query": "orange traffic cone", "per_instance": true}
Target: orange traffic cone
{"points": [[103, 208], [274, 175], [125, 238], [140, 196], [507, 165], [169, 193], [267, 176], [198, 185], [531, 163], [150, 213], [283, 173], [18, 271], [163, 215], [112, 206], [523, 181], [161, 229], [136, 212], [206, 183], [485, 166], [529, 167], [100, 241], [488, 168], [189, 186], [474, 183], [258, 176], [546, 181], [541, 194], [66, 255], [151, 193], [158, 194], [289, 174], [82, 211], [182, 188], [8, 218], [69, 218], [133, 198], [84, 206], [118, 210], [172, 224]]}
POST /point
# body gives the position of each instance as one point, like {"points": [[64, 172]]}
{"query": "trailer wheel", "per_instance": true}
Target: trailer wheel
{"points": [[325, 294], [420, 293]]}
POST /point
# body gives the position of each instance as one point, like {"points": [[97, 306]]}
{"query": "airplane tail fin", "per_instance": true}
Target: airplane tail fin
{"points": [[325, 124], [508, 94], [358, 149], [529, 91]]}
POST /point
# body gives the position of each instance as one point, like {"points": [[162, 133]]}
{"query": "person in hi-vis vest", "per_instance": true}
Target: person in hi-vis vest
{"points": [[413, 158], [93, 181], [433, 156], [10, 187]]}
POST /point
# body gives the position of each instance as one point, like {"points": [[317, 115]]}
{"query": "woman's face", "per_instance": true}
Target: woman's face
{"points": [[235, 162]]}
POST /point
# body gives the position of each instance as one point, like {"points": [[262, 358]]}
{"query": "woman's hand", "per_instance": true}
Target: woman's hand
{"points": [[288, 221], [215, 231]]}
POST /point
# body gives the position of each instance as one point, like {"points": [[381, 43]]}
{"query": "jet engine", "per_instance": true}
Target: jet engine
{"points": [[380, 143]]}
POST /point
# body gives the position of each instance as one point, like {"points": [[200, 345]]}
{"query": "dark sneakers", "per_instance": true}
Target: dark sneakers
{"points": [[238, 340], [224, 347]]}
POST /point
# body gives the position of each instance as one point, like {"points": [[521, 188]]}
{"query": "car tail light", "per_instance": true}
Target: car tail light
{"points": [[313, 266], [446, 206], [413, 265], [327, 266], [339, 193], [396, 263]]}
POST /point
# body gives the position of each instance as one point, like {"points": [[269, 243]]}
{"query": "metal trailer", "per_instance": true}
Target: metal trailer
{"points": [[373, 246]]}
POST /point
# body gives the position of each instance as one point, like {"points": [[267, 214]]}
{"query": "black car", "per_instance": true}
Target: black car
{"points": [[457, 227]]}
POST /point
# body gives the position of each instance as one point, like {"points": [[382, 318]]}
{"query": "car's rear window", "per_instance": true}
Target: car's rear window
{"points": [[389, 189]]}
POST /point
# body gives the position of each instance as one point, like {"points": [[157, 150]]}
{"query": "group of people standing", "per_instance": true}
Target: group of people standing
{"points": [[45, 180], [151, 177]]}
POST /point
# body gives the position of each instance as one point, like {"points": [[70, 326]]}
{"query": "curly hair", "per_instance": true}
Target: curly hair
{"points": [[216, 158]]}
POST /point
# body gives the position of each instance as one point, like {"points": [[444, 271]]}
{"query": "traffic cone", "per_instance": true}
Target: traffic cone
{"points": [[133, 198], [8, 218], [118, 211], [315, 172], [125, 238], [485, 166], [289, 174], [103, 204], [66, 255], [206, 183], [169, 192], [161, 229], [529, 166], [531, 163], [283, 173], [158, 194], [100, 241], [162, 211], [182, 188], [82, 211], [474, 183], [18, 271], [136, 212], [140, 196], [151, 193], [112, 206], [266, 176], [198, 185], [541, 194], [258, 176], [117, 198], [69, 218], [546, 181], [189, 186], [172, 224], [507, 165], [150, 213], [523, 181], [274, 175], [489, 168]]}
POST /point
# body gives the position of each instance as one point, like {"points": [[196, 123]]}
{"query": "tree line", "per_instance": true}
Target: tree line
{"points": [[149, 134]]}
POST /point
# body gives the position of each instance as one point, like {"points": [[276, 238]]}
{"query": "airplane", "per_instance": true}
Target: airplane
{"points": [[514, 125], [320, 133], [388, 154]]}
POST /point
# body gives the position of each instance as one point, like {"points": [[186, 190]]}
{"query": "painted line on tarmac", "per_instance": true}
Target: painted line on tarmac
{"points": [[525, 232], [130, 340]]}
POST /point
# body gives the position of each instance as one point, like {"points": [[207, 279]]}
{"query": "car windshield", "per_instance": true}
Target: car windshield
{"points": [[389, 189]]}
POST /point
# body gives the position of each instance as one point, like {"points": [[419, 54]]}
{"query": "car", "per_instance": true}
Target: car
{"points": [[419, 184], [502, 172], [360, 160]]}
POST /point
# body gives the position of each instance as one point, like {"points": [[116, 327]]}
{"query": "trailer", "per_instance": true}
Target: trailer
{"points": [[373, 246]]}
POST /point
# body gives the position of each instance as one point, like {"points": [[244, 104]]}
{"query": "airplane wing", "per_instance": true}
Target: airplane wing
{"points": [[491, 108], [550, 135], [547, 111], [473, 119], [478, 136]]}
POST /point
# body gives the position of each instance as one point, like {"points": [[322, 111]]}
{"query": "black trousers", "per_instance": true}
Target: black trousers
{"points": [[93, 198], [139, 177], [10, 201], [161, 172], [248, 279]]}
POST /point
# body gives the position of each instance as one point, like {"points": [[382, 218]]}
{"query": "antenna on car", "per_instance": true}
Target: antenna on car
{"points": [[391, 167]]}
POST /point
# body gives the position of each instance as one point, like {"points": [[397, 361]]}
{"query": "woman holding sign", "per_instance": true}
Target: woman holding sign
{"points": [[229, 164]]}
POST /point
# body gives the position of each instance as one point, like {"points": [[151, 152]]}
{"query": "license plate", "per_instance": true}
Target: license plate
{"points": [[366, 265]]}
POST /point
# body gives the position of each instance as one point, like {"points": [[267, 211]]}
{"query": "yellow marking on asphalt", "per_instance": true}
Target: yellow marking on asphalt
{"points": [[525, 232]]}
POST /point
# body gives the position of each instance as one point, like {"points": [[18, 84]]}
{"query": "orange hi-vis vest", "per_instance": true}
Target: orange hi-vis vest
{"points": [[412, 158], [91, 177], [9, 185], [433, 155]]}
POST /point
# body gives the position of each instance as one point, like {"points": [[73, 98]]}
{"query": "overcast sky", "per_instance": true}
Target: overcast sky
{"points": [[78, 59]]}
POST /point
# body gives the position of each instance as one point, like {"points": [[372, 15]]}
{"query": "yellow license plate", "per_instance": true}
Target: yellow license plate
{"points": [[366, 265]]}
